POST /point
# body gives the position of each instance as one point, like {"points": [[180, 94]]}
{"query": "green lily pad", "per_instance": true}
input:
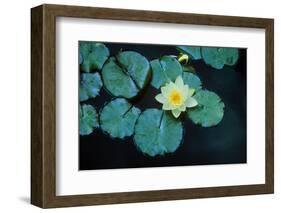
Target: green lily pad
{"points": [[192, 80], [126, 75], [90, 85], [218, 57], [118, 118], [80, 58], [210, 109], [194, 52], [164, 70], [92, 55], [231, 56], [157, 132], [88, 119]]}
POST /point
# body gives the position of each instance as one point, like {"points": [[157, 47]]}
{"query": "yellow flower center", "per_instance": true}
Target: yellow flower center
{"points": [[175, 98]]}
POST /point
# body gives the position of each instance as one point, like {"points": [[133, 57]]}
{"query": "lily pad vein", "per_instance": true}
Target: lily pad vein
{"points": [[126, 72]]}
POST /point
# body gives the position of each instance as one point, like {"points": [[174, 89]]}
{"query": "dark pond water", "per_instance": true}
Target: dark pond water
{"points": [[222, 144]]}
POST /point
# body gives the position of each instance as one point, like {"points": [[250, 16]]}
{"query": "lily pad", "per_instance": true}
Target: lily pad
{"points": [[88, 119], [92, 55], [218, 57], [118, 118], [157, 132], [126, 75], [210, 109], [194, 52], [231, 56], [164, 70], [80, 58], [191, 80], [90, 85]]}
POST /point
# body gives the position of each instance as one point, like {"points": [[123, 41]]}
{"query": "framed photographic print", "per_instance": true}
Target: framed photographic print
{"points": [[136, 106]]}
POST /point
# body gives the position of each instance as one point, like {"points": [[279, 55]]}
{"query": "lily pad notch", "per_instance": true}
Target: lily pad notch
{"points": [[210, 111], [126, 75], [164, 70], [157, 132], [92, 55], [118, 118]]}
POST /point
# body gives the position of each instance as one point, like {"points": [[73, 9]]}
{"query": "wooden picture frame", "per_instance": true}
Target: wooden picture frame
{"points": [[43, 105]]}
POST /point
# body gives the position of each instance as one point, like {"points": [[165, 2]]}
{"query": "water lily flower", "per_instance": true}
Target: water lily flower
{"points": [[176, 97], [183, 58]]}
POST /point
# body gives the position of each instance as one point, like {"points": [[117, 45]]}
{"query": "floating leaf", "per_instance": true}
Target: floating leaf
{"points": [[165, 69], [210, 109], [213, 57], [88, 119], [92, 55], [191, 80], [218, 57], [157, 132], [80, 58], [126, 75], [231, 56], [158, 77], [90, 85], [118, 118], [136, 66], [194, 52]]}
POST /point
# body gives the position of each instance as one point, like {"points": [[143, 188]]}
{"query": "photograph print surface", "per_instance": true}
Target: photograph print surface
{"points": [[148, 105]]}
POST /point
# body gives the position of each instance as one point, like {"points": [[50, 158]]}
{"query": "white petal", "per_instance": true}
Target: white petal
{"points": [[176, 113], [190, 102], [191, 92], [182, 108], [170, 85], [186, 88], [179, 82], [160, 98], [166, 90], [167, 106], [185, 91]]}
